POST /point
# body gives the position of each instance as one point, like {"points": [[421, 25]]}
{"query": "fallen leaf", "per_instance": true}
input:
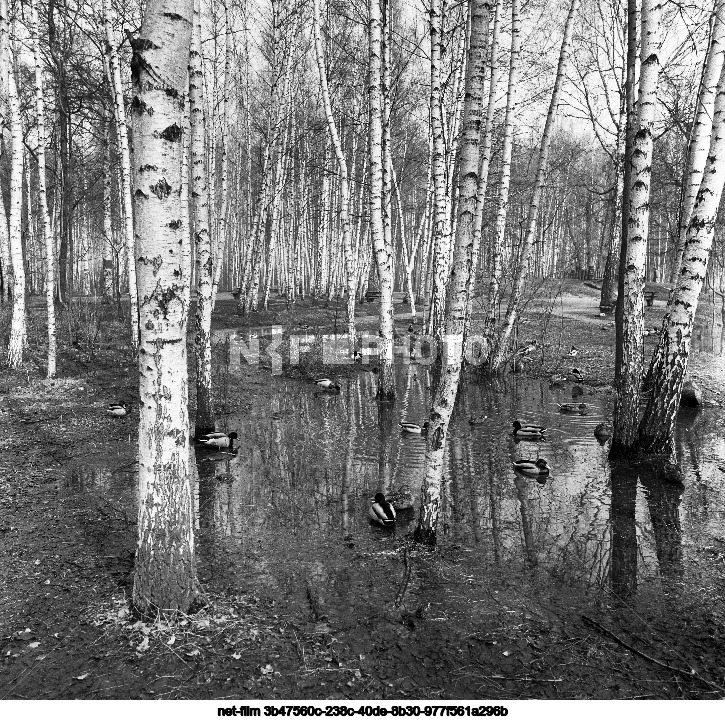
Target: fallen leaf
{"points": [[82, 676], [35, 644], [171, 641], [143, 645], [267, 669]]}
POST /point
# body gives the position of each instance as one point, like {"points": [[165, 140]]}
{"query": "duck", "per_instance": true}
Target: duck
{"points": [[406, 427], [477, 420], [326, 384], [578, 377], [572, 407], [382, 511], [217, 440], [557, 379], [119, 410], [539, 467], [602, 432], [527, 430], [574, 352]]}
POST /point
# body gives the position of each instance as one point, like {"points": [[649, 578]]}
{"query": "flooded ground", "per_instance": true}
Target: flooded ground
{"points": [[523, 564]]}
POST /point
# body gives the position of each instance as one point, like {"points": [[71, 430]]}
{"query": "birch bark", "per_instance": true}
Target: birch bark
{"points": [[656, 430], [350, 269], [458, 288], [702, 126], [629, 381], [165, 579], [18, 327], [205, 421], [383, 252], [48, 240], [494, 293], [122, 136]]}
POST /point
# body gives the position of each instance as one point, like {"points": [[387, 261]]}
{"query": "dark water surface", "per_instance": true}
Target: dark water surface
{"points": [[286, 516]]}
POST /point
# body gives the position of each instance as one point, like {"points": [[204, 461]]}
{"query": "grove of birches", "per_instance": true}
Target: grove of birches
{"points": [[156, 153]]}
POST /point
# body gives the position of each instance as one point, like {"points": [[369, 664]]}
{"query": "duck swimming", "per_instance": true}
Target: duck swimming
{"points": [[406, 427], [572, 407], [527, 430], [539, 467], [119, 410], [381, 511], [217, 440], [326, 384]]}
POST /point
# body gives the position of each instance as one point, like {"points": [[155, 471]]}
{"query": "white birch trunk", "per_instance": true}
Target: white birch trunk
{"points": [[702, 126], [205, 421], [48, 241], [18, 327], [441, 238], [458, 288], [350, 270], [122, 136], [165, 573], [658, 424], [494, 293], [383, 252], [626, 406]]}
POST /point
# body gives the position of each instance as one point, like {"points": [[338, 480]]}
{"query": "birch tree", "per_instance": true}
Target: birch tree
{"points": [[165, 578], [350, 269], [18, 328], [520, 274], [202, 236], [497, 241], [462, 267], [441, 238], [656, 429], [629, 379], [383, 252], [702, 127], [42, 193], [122, 136]]}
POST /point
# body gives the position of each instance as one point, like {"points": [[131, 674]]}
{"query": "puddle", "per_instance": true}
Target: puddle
{"points": [[287, 514]]}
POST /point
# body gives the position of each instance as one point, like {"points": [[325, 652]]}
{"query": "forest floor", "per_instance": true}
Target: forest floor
{"points": [[66, 563]]}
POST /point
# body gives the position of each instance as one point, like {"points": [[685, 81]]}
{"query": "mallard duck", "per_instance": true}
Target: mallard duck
{"points": [[119, 410], [557, 379], [572, 407], [578, 377], [217, 440], [327, 385], [539, 467], [602, 432], [477, 420], [382, 511], [527, 430], [406, 427]]}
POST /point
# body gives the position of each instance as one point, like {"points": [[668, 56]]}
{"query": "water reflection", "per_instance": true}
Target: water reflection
{"points": [[289, 509]]}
